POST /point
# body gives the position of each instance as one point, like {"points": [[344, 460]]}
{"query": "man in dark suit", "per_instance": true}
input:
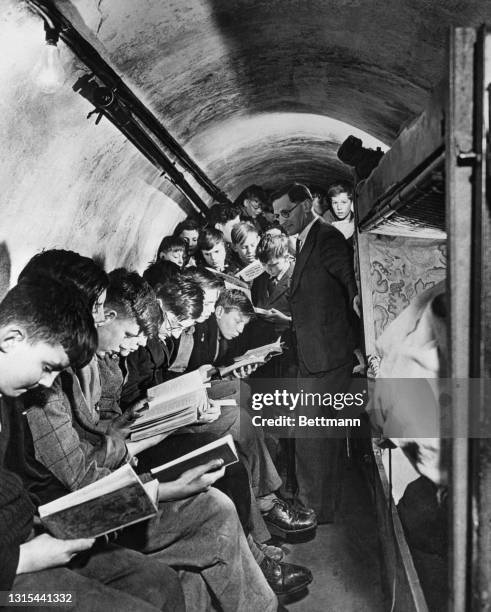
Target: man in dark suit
{"points": [[323, 294]]}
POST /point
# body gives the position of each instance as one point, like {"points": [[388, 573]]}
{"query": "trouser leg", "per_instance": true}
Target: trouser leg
{"points": [[317, 460], [203, 533], [88, 595]]}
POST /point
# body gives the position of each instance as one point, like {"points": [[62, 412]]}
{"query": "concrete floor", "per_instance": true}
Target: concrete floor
{"points": [[343, 557]]}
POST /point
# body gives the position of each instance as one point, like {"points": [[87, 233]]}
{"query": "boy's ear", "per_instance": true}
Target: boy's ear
{"points": [[109, 316], [219, 312], [10, 336]]}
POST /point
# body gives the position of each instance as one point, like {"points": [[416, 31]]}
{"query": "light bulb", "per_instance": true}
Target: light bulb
{"points": [[49, 75]]}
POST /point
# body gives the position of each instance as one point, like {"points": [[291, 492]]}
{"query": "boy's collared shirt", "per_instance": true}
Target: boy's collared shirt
{"points": [[302, 236], [66, 437]]}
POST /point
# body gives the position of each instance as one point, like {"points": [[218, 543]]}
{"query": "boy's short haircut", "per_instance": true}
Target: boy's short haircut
{"points": [[221, 213], [299, 193], [272, 247], [182, 296], [68, 266], [172, 243], [160, 271], [52, 312], [235, 299], [204, 278], [189, 225], [132, 297], [209, 237], [337, 189], [241, 231]]}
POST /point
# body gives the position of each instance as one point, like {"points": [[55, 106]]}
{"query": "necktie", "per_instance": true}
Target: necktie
{"points": [[272, 282], [298, 246]]}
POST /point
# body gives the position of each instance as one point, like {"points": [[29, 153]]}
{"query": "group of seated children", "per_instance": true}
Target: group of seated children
{"points": [[79, 349]]}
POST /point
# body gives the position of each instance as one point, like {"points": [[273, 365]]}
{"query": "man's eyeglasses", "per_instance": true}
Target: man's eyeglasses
{"points": [[286, 212]]}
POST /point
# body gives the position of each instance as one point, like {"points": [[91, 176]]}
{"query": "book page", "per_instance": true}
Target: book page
{"points": [[262, 351], [181, 385], [252, 271]]}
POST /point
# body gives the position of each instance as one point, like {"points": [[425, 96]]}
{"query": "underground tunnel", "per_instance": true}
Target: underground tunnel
{"points": [[157, 112]]}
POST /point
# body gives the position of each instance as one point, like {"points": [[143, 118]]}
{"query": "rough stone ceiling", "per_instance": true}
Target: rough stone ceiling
{"points": [[275, 73]]}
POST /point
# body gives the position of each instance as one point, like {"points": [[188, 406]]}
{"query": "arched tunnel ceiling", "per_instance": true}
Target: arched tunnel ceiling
{"points": [[212, 67]]}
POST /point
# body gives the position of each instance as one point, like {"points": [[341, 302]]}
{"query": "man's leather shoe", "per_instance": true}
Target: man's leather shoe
{"points": [[283, 519], [285, 578]]}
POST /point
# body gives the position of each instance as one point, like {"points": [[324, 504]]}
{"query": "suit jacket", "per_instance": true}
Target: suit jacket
{"points": [[322, 289], [205, 346], [260, 331], [279, 298]]}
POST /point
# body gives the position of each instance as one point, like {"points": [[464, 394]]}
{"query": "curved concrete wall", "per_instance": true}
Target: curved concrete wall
{"points": [[67, 183], [257, 91]]}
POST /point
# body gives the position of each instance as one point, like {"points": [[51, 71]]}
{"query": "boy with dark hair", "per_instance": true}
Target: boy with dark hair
{"points": [[174, 249], [202, 533], [181, 302], [159, 271], [43, 327], [223, 217], [213, 251], [64, 265]]}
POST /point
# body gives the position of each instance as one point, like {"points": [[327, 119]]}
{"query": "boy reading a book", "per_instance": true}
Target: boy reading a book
{"points": [[213, 251], [191, 534], [43, 328], [270, 292], [245, 239], [176, 297], [216, 342]]}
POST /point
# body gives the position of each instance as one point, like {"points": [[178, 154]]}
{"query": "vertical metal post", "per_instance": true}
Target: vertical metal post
{"points": [[480, 365], [459, 140]]}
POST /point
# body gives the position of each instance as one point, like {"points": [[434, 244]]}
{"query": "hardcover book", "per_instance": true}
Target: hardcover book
{"points": [[259, 355], [171, 405], [223, 448], [110, 504]]}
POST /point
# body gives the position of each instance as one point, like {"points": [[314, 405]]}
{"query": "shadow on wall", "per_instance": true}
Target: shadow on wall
{"points": [[5, 269]]}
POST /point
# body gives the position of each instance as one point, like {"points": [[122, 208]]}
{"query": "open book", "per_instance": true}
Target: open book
{"points": [[109, 504], [252, 271], [223, 448], [258, 355], [232, 282], [171, 405]]}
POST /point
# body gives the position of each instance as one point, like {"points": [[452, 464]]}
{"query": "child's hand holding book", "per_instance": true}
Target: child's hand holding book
{"points": [[210, 412], [44, 551], [193, 481]]}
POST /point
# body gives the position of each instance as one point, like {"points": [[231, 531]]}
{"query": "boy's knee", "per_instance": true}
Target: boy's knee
{"points": [[219, 504]]}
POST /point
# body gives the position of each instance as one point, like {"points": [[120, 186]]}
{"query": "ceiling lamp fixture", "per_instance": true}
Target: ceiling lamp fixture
{"points": [[49, 74]]}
